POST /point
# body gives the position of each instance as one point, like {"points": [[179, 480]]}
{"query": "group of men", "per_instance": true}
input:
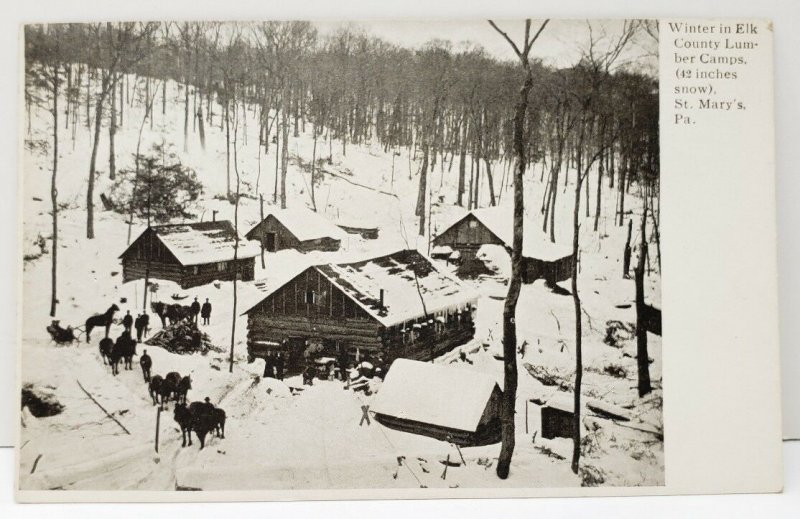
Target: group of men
{"points": [[204, 311], [142, 324]]}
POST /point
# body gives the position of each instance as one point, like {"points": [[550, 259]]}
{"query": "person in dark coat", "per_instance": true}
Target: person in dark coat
{"points": [[279, 366], [145, 324], [205, 312], [269, 366], [195, 310], [147, 363], [127, 321], [139, 327], [344, 364]]}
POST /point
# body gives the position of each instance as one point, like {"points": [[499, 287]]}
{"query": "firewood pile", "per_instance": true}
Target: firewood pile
{"points": [[182, 337]]}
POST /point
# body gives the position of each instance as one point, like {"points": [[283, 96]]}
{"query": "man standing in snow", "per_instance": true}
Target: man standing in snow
{"points": [[195, 310], [269, 366], [205, 313], [279, 366], [145, 324], [127, 321], [146, 362], [139, 327]]}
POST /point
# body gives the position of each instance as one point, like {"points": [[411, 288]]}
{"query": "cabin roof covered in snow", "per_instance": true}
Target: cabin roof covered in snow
{"points": [[397, 274], [201, 242], [500, 220], [305, 224], [435, 394]]}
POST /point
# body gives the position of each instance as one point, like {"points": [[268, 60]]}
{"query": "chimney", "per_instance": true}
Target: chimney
{"points": [[214, 215], [382, 306]]}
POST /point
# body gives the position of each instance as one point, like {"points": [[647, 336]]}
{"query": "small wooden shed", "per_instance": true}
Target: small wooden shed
{"points": [[542, 259], [444, 402], [558, 417], [190, 254], [296, 228]]}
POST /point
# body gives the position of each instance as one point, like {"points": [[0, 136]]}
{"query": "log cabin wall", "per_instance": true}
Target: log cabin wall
{"points": [[310, 306], [164, 265], [467, 236], [196, 275]]}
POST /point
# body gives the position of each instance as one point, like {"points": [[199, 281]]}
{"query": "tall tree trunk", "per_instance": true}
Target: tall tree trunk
{"points": [[576, 301], [98, 116], [314, 165], [509, 400], [423, 189], [462, 171], [642, 356], [599, 192], [490, 180], [227, 148], [284, 146], [112, 130], [186, 119], [54, 198], [201, 125]]}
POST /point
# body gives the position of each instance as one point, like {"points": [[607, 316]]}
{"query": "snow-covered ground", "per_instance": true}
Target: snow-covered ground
{"points": [[277, 437]]}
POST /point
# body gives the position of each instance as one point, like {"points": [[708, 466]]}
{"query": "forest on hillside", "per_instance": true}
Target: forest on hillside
{"points": [[455, 107]]}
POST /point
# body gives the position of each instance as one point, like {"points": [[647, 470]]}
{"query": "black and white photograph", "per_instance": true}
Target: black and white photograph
{"points": [[320, 255]]}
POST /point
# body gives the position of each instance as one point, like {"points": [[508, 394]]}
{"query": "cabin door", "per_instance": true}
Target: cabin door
{"points": [[296, 361], [269, 242]]}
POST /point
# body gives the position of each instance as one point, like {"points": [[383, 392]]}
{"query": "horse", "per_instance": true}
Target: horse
{"points": [[123, 349], [159, 309], [176, 313], [219, 420], [183, 388], [185, 420], [106, 345], [204, 420], [170, 386], [156, 382], [103, 320]]}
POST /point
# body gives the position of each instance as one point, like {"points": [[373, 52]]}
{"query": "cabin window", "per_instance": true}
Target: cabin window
{"points": [[473, 224], [311, 297], [222, 266], [195, 270]]}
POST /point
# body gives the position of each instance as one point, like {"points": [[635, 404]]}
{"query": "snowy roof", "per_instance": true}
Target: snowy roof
{"points": [[398, 275], [500, 221], [435, 394], [363, 280], [202, 242], [305, 224]]}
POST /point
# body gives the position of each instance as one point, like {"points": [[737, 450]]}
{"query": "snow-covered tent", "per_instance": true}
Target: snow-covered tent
{"points": [[444, 402], [190, 254], [296, 228]]}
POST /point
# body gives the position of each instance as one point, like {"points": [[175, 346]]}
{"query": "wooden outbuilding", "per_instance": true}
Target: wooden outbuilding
{"points": [[448, 403], [494, 226], [558, 417], [393, 306], [297, 228], [189, 254]]}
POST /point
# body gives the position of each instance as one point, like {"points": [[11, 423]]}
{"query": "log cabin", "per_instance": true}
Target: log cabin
{"points": [[393, 306], [448, 403], [542, 259], [190, 254], [299, 228]]}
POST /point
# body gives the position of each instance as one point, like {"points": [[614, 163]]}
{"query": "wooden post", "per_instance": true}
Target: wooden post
{"points": [[158, 423], [526, 416]]}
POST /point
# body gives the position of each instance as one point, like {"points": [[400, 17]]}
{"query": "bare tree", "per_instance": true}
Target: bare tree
{"points": [[508, 403]]}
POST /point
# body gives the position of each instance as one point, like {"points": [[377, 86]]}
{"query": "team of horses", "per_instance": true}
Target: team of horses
{"points": [[201, 418]]}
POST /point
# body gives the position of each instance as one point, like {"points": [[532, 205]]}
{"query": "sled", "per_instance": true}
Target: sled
{"points": [[62, 335]]}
